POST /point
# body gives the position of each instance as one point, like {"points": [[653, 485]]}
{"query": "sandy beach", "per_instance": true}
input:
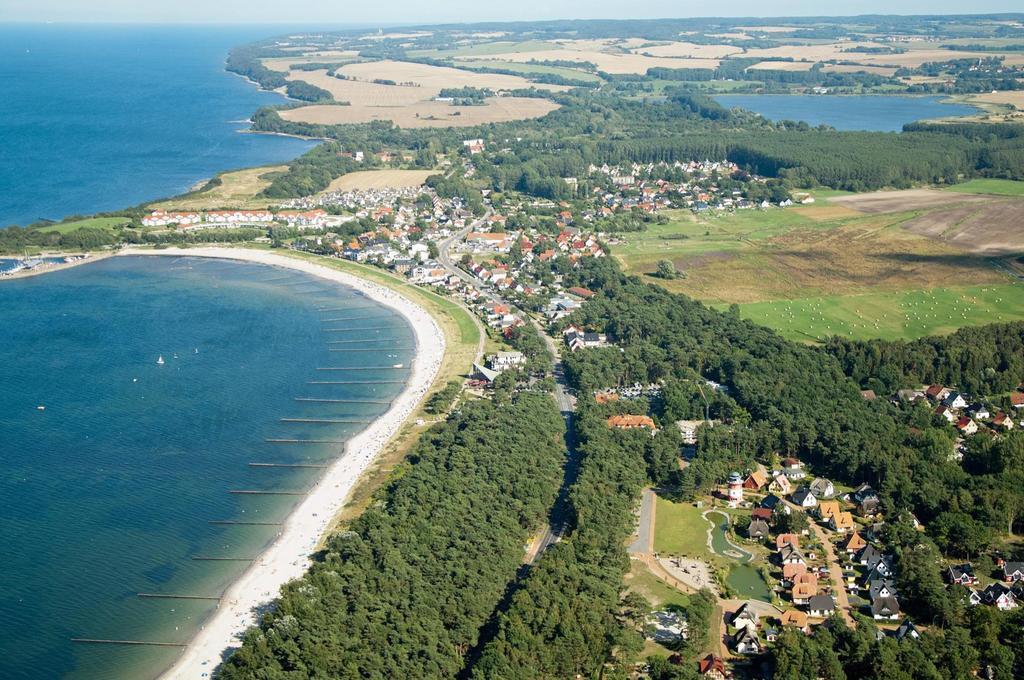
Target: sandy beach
{"points": [[287, 558]]}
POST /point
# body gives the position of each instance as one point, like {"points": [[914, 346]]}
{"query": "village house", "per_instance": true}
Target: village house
{"points": [[793, 469], [805, 586], [794, 618], [1013, 572], [763, 514], [758, 529], [744, 617], [790, 555], [822, 488], [780, 484], [745, 641], [999, 596], [1002, 421], [937, 393], [821, 606], [827, 509], [962, 574], [966, 425], [804, 498], [754, 481], [955, 401], [782, 540], [790, 572], [841, 522], [885, 609], [630, 422], [854, 543], [713, 668], [907, 630], [505, 360]]}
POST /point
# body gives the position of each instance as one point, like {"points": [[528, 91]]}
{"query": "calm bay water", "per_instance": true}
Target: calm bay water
{"points": [[97, 118], [110, 490], [883, 113]]}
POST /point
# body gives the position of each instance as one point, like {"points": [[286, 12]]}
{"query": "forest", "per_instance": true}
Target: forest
{"points": [[405, 590]]}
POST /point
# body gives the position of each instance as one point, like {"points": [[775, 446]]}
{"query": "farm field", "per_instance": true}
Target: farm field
{"points": [[379, 179], [104, 223], [528, 68], [608, 61], [890, 316], [426, 114], [238, 189], [688, 49]]}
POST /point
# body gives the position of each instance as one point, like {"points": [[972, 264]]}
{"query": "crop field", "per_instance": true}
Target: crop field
{"points": [[885, 71], [689, 50], [238, 189], [910, 199], [992, 228], [426, 114], [432, 79], [104, 223], [528, 68], [608, 61], [485, 49], [782, 66], [379, 179], [890, 316]]}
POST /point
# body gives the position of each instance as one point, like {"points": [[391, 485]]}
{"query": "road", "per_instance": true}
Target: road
{"points": [[835, 570], [643, 545], [560, 517]]}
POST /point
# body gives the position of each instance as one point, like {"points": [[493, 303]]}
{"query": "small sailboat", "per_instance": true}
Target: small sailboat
{"points": [[160, 360], [397, 366], [195, 351], [40, 408]]}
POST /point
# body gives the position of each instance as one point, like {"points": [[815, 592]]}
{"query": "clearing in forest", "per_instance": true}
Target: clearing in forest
{"points": [[238, 189]]}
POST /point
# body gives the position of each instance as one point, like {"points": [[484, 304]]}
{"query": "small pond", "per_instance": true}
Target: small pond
{"points": [[745, 580]]}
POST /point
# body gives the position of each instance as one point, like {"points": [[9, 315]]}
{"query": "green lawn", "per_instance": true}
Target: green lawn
{"points": [[680, 530], [687, 234], [656, 591], [891, 315], [90, 223], [998, 187]]}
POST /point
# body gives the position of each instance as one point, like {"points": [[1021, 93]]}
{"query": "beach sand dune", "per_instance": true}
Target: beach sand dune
{"points": [[288, 557]]}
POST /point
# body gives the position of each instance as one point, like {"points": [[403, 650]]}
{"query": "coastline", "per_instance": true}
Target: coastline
{"points": [[287, 557], [47, 269]]}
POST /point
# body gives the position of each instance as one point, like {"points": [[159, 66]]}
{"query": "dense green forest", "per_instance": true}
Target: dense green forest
{"points": [[982, 361], [564, 619], [405, 590]]}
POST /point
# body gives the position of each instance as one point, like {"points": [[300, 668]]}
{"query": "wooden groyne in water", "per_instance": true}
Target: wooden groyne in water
{"points": [[369, 349], [364, 368], [95, 641], [255, 524], [355, 382], [216, 598], [353, 330], [260, 492], [359, 318], [343, 401], [288, 465], [303, 441], [329, 421], [204, 558]]}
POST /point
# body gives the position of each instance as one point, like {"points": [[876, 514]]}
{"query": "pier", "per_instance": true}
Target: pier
{"points": [[254, 524], [288, 465], [352, 330], [331, 310], [369, 349], [203, 558]]}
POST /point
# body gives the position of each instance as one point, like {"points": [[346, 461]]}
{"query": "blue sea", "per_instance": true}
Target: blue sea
{"points": [[880, 113], [96, 118], [112, 467]]}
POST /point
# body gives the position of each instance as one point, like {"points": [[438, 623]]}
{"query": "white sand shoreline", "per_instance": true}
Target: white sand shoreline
{"points": [[287, 558]]}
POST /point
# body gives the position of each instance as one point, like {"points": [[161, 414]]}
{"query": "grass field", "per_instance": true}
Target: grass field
{"points": [[426, 113], [890, 316], [808, 251], [997, 187], [237, 189], [379, 179], [105, 223], [680, 530], [656, 591]]}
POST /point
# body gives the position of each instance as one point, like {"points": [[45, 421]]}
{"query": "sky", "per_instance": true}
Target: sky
{"points": [[437, 11]]}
